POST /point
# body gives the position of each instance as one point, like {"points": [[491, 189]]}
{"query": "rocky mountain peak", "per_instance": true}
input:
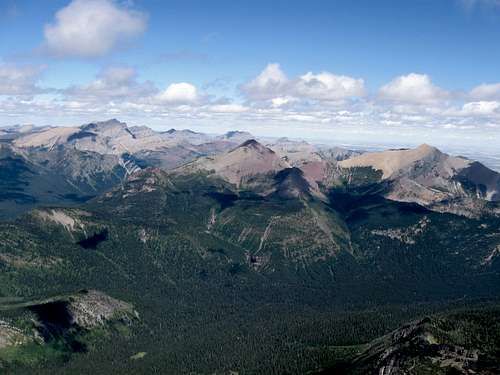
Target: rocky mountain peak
{"points": [[253, 144], [428, 150], [391, 162], [236, 136], [106, 127], [236, 133], [182, 131], [248, 159]]}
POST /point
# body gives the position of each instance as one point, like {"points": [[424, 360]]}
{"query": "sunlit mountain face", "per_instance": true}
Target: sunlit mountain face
{"points": [[249, 188]]}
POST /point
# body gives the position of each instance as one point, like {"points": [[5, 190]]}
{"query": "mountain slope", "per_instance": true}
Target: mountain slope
{"points": [[115, 138], [56, 328], [33, 178], [285, 267], [431, 178], [279, 274], [459, 342], [239, 165]]}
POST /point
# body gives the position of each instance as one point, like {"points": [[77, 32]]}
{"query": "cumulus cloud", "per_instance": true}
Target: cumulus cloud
{"points": [[328, 86], [272, 84], [413, 89], [179, 93], [486, 91], [19, 80], [482, 108], [282, 101], [311, 102], [92, 28]]}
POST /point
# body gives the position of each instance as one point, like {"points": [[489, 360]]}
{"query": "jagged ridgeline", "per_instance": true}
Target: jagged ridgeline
{"points": [[253, 259], [68, 166]]}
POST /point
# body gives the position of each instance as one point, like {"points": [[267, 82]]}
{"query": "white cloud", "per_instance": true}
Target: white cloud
{"points": [[482, 108], [112, 83], [16, 81], [179, 93], [91, 28], [328, 86], [267, 85], [272, 84], [281, 101], [486, 91], [228, 108], [413, 89], [312, 102], [302, 118]]}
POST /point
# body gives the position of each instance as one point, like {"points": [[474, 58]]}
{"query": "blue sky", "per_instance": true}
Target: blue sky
{"points": [[414, 70]]}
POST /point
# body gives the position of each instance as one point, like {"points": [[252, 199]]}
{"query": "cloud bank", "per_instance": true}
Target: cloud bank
{"points": [[311, 104]]}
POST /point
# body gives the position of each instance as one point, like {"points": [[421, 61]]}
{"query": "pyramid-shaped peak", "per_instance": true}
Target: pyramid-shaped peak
{"points": [[427, 148], [252, 144]]}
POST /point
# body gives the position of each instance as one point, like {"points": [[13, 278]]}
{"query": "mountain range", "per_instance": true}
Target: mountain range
{"points": [[230, 254], [91, 158]]}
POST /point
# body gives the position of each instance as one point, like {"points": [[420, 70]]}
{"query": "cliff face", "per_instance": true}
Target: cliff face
{"points": [[58, 326]]}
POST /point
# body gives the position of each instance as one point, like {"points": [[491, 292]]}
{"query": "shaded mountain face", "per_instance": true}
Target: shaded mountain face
{"points": [[291, 183], [58, 177]]}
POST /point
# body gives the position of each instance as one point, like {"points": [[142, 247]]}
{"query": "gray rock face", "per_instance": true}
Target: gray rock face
{"points": [[94, 308], [414, 347], [62, 318], [11, 336]]}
